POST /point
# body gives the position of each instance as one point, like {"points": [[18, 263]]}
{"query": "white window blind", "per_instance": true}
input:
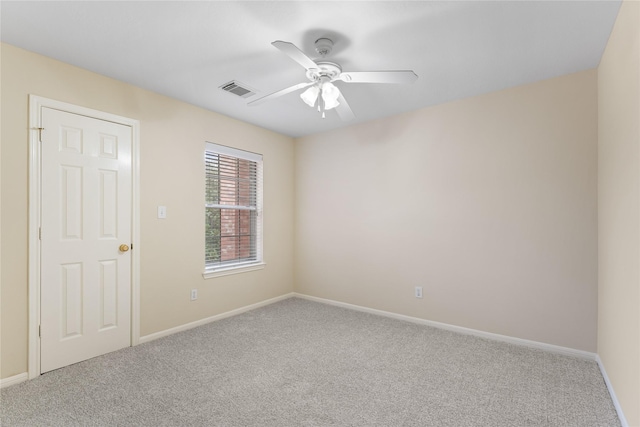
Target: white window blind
{"points": [[233, 199]]}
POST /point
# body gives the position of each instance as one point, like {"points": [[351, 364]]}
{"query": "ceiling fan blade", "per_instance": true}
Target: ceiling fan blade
{"points": [[343, 110], [296, 54], [280, 93], [406, 76]]}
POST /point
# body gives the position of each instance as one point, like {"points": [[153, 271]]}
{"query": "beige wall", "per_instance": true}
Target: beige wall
{"points": [[172, 174], [619, 210], [489, 203]]}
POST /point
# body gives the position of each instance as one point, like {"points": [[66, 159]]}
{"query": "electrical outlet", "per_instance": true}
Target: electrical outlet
{"points": [[194, 294], [418, 291]]}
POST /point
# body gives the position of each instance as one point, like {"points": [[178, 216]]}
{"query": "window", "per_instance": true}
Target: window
{"points": [[233, 219]]}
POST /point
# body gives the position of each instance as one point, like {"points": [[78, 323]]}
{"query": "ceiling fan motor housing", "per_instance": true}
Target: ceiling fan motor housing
{"points": [[329, 70]]}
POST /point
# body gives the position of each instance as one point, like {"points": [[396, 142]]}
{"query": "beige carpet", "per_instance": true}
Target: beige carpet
{"points": [[301, 363]]}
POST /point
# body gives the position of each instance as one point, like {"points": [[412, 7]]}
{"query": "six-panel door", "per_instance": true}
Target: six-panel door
{"points": [[86, 217]]}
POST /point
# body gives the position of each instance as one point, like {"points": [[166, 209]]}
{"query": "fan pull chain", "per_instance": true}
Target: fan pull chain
{"points": [[321, 103]]}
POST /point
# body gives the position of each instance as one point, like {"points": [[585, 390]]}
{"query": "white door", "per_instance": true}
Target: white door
{"points": [[85, 278]]}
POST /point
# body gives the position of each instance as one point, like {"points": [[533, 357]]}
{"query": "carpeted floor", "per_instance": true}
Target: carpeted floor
{"points": [[301, 363]]}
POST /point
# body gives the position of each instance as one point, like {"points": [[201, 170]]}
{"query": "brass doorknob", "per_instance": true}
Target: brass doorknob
{"points": [[124, 248]]}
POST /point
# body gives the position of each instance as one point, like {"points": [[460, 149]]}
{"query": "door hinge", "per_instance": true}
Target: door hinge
{"points": [[39, 233], [39, 331], [40, 133]]}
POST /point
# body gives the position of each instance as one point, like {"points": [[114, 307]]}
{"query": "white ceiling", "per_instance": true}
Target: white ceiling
{"points": [[187, 49]]}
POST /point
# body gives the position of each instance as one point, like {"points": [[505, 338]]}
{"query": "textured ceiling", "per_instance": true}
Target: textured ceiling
{"points": [[187, 49]]}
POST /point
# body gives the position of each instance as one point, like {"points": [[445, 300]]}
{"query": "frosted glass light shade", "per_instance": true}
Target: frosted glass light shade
{"points": [[330, 95], [310, 95]]}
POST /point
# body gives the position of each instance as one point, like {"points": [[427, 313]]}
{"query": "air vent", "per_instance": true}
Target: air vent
{"points": [[238, 88]]}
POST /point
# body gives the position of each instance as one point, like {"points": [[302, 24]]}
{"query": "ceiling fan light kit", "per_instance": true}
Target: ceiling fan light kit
{"points": [[325, 93], [322, 74]]}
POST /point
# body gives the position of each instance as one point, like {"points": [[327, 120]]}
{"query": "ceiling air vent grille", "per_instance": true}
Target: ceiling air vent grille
{"points": [[238, 88]]}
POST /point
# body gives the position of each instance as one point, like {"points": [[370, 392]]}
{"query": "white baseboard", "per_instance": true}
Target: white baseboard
{"points": [[16, 379], [220, 316], [496, 337], [623, 420]]}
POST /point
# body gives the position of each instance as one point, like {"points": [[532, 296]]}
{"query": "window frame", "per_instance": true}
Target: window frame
{"points": [[242, 266]]}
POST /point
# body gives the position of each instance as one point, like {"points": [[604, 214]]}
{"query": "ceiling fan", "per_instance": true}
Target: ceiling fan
{"points": [[322, 74]]}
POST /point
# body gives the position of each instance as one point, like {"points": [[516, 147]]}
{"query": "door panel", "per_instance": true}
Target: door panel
{"points": [[86, 215]]}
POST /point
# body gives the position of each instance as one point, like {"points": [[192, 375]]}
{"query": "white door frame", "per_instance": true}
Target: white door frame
{"points": [[36, 103]]}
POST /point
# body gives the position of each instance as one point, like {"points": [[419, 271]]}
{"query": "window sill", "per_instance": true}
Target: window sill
{"points": [[226, 271]]}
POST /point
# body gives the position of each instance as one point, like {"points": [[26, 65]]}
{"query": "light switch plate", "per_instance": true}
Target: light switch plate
{"points": [[162, 212]]}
